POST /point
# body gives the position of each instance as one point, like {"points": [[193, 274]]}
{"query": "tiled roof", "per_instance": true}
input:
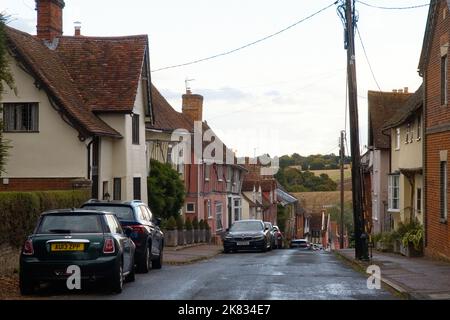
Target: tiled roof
{"points": [[414, 103], [84, 75], [106, 71], [382, 107], [165, 117]]}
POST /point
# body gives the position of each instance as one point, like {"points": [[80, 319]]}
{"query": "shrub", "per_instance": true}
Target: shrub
{"points": [[201, 225], [188, 224], [206, 224], [195, 223], [19, 211], [180, 222], [171, 224]]}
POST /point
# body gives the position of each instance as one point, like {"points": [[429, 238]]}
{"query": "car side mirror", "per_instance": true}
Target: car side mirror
{"points": [[266, 228], [128, 231], [158, 221]]}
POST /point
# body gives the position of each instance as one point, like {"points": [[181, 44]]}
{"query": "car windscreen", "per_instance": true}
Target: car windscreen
{"points": [[121, 212], [246, 226], [70, 223]]}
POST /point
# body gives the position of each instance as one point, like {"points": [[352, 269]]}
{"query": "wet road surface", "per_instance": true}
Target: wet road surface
{"points": [[291, 274]]}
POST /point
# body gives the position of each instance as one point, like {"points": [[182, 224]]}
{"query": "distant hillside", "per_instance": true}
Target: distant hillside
{"points": [[312, 162]]}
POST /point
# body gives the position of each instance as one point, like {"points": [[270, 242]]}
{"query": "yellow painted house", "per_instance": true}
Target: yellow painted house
{"points": [[405, 180]]}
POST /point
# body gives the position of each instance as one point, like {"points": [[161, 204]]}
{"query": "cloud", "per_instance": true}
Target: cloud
{"points": [[227, 94]]}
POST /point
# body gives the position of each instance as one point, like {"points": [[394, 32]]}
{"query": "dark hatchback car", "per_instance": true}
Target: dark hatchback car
{"points": [[247, 235], [92, 240], [146, 235], [300, 243]]}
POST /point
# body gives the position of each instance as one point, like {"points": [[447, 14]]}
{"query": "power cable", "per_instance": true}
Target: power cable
{"points": [[248, 44], [367, 59], [393, 8]]}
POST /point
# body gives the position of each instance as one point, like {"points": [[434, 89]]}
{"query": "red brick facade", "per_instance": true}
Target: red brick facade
{"points": [[437, 124], [49, 24]]}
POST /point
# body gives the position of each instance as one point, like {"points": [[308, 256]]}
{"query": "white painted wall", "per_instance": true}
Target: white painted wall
{"points": [[55, 151]]}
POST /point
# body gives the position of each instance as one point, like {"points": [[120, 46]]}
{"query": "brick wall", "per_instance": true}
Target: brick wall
{"points": [[437, 233], [38, 184]]}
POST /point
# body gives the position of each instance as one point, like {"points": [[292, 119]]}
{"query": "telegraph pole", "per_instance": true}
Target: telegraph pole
{"points": [[361, 251], [341, 152]]}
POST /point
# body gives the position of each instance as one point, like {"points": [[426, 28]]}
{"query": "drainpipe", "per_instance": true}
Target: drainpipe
{"points": [[88, 146]]}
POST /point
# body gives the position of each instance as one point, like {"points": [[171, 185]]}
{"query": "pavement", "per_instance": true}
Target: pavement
{"points": [[190, 253], [416, 278], [288, 274]]}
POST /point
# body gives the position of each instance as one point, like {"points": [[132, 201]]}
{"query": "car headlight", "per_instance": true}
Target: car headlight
{"points": [[228, 237]]}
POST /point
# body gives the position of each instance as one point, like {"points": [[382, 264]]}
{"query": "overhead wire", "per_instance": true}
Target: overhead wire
{"points": [[248, 44], [393, 8]]}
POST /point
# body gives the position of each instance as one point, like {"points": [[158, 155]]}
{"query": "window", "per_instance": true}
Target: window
{"points": [[220, 172], [229, 172], [137, 188], [113, 225], [207, 172], [397, 140], [208, 208], [135, 128], [106, 195], [20, 117], [444, 80], [237, 209], [219, 225], [190, 207], [393, 196], [143, 213], [419, 126], [443, 191], [419, 200], [117, 192], [408, 129]]}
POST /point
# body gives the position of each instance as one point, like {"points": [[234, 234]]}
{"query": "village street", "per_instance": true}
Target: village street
{"points": [[290, 274]]}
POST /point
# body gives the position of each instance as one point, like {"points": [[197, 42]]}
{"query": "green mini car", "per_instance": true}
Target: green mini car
{"points": [[94, 241]]}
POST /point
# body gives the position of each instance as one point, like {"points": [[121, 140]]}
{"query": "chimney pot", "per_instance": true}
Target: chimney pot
{"points": [[77, 26], [406, 90]]}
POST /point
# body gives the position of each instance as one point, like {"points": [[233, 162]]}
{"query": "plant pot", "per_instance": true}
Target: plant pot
{"points": [[171, 238], [196, 235], [202, 235], [410, 251], [396, 246], [181, 240], [189, 236]]}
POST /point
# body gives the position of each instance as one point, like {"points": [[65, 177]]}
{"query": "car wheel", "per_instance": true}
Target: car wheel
{"points": [[264, 248], [26, 285], [117, 279], [157, 264], [132, 275], [145, 263]]}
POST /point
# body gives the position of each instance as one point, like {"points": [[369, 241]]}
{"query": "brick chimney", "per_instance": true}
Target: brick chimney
{"points": [[49, 19], [193, 106]]}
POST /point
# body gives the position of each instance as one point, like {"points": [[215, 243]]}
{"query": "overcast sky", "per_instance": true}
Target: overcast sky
{"points": [[280, 96]]}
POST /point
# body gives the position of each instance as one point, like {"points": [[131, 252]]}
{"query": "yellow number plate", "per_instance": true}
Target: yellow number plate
{"points": [[67, 247]]}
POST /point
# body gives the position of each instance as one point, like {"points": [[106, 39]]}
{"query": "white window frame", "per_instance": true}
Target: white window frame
{"points": [[394, 203], [219, 216], [207, 171], [408, 129], [237, 209]]}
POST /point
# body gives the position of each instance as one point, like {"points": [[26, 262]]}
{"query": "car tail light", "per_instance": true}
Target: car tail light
{"points": [[138, 228], [109, 247], [28, 248]]}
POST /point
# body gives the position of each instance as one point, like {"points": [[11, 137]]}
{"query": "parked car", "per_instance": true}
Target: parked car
{"points": [[272, 233], [317, 246], [247, 235], [146, 235], [299, 243], [278, 237], [92, 240]]}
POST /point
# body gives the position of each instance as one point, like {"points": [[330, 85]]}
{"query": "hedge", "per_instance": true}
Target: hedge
{"points": [[19, 211]]}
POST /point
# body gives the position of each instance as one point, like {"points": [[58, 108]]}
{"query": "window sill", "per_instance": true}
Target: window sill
{"points": [[418, 139], [443, 221], [394, 210], [397, 149]]}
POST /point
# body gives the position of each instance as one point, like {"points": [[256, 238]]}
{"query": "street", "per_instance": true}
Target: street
{"points": [[277, 275]]}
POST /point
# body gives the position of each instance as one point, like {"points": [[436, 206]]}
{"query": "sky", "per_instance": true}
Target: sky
{"points": [[284, 95]]}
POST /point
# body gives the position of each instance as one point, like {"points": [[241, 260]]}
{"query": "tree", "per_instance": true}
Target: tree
{"points": [[166, 190], [5, 78]]}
